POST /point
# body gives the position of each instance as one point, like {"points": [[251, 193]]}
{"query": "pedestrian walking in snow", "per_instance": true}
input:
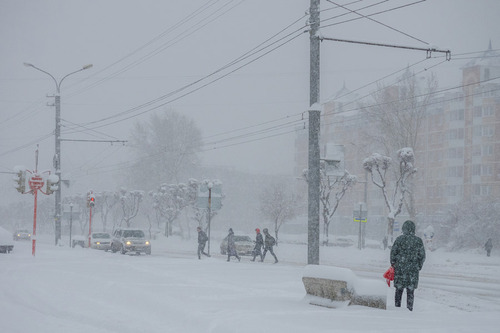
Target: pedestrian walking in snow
{"points": [[488, 246], [231, 246], [259, 243], [407, 258], [202, 241], [269, 242]]}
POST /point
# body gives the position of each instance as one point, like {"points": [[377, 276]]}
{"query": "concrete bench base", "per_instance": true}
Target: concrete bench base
{"points": [[334, 292]]}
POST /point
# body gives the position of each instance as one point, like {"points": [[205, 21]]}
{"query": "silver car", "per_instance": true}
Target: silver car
{"points": [[244, 245], [100, 241], [130, 240], [22, 234]]}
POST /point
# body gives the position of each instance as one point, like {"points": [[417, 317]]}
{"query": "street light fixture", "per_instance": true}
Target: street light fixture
{"points": [[57, 156]]}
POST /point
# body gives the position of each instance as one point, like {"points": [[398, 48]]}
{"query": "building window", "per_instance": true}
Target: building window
{"points": [[476, 150], [484, 130], [456, 171], [476, 189], [476, 169], [457, 114], [488, 111], [485, 190], [478, 111], [487, 150], [487, 170]]}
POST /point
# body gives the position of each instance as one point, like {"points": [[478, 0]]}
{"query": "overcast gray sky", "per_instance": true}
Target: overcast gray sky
{"points": [[143, 52]]}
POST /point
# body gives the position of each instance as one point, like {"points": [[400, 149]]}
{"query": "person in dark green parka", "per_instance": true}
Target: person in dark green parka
{"points": [[407, 258]]}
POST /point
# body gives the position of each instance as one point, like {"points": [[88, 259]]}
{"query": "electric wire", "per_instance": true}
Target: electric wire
{"points": [[336, 23], [179, 90], [383, 24], [187, 19], [160, 49], [373, 14]]}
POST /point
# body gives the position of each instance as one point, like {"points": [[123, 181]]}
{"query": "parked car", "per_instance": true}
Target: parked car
{"points": [[100, 241], [130, 240], [22, 234], [6, 243], [244, 245]]}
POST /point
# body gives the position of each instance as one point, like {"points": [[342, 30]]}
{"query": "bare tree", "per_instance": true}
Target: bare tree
{"points": [[168, 202], [470, 223], [105, 201], [130, 202], [398, 114], [327, 185], [378, 166], [80, 200], [279, 204], [166, 148]]}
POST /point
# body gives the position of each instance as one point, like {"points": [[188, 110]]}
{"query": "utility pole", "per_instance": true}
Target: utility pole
{"points": [[314, 130], [57, 155]]}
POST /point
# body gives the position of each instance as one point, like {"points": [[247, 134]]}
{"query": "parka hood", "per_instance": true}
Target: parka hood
{"points": [[409, 228]]}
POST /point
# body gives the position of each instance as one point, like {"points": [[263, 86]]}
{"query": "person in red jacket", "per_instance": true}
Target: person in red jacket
{"points": [[259, 243]]}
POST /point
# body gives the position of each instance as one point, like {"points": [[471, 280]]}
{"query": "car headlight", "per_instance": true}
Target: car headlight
{"points": [[98, 243], [128, 243], [147, 242]]}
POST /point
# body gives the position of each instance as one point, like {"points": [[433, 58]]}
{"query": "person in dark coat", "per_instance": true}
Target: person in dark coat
{"points": [[407, 258], [259, 243], [269, 242], [202, 241], [488, 246], [231, 246]]}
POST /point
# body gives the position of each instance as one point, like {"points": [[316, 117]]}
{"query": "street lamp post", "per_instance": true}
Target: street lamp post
{"points": [[57, 155]]}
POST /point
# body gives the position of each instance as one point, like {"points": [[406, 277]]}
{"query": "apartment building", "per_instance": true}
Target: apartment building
{"points": [[458, 151]]}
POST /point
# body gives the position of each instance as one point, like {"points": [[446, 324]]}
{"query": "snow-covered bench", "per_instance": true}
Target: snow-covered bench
{"points": [[334, 287]]}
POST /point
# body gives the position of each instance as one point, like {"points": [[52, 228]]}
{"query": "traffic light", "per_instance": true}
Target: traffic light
{"points": [[20, 179], [90, 199], [52, 184]]}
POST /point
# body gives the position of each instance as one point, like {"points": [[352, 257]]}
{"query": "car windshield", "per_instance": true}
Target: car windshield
{"points": [[133, 233], [242, 239], [101, 235], [23, 231]]}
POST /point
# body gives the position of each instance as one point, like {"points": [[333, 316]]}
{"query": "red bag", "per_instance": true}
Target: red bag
{"points": [[389, 275]]}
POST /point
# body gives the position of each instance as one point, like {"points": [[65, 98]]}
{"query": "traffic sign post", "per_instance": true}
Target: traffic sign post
{"points": [[90, 204], [209, 197], [36, 182], [360, 215]]}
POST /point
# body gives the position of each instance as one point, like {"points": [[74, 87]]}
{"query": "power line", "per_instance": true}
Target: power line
{"points": [[162, 47], [373, 14], [234, 62], [383, 24]]}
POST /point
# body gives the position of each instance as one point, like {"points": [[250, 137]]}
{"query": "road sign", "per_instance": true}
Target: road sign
{"points": [[334, 160], [36, 182], [360, 213], [215, 195]]}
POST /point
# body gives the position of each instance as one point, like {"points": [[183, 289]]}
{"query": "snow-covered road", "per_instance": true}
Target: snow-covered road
{"points": [[81, 290]]}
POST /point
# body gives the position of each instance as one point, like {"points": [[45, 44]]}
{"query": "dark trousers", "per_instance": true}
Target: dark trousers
{"points": [[257, 252], [270, 249], [409, 298], [201, 250]]}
